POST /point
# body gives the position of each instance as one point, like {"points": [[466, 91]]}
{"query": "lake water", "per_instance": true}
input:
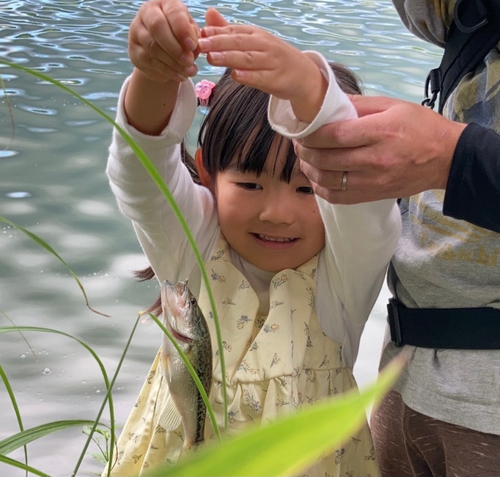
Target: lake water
{"points": [[52, 156]]}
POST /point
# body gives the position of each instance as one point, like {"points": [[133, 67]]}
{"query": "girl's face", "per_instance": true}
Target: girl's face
{"points": [[270, 223]]}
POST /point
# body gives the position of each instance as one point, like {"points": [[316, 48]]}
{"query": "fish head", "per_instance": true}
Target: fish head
{"points": [[180, 311]]}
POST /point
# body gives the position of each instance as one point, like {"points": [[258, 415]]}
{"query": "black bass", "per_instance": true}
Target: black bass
{"points": [[185, 321]]}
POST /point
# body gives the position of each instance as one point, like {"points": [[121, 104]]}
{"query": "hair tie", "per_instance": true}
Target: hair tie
{"points": [[203, 91]]}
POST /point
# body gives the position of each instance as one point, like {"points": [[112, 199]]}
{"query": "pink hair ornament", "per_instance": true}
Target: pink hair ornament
{"points": [[203, 91]]}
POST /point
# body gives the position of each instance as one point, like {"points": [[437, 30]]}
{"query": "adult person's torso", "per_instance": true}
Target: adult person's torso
{"points": [[446, 263], [443, 262]]}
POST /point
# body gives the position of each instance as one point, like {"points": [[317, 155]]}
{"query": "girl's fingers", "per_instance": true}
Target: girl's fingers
{"points": [[183, 27], [245, 60], [158, 41], [253, 68], [246, 50], [238, 42], [230, 29], [149, 55], [234, 37], [214, 18]]}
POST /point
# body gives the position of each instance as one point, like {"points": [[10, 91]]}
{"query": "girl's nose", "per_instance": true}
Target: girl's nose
{"points": [[277, 208]]}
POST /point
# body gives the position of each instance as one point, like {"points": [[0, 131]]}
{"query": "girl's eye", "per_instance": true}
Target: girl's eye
{"points": [[249, 185], [305, 190]]}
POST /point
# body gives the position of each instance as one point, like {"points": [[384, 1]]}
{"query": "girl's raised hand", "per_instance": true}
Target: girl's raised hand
{"points": [[163, 41], [263, 61]]}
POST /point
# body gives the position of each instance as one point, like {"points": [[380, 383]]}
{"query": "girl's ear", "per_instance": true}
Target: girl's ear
{"points": [[202, 172]]}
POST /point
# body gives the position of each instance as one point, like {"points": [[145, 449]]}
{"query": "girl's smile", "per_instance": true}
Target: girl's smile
{"points": [[274, 242]]}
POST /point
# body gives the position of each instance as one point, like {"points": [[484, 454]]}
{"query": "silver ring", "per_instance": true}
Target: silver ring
{"points": [[344, 181]]}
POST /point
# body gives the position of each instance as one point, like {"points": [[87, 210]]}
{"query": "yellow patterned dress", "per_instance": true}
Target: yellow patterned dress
{"points": [[274, 365]]}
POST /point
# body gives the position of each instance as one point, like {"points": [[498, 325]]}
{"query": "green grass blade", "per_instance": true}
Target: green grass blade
{"points": [[150, 168], [47, 247], [108, 396], [192, 371], [22, 336], [20, 465], [26, 436], [17, 411], [101, 410], [11, 116], [288, 445]]}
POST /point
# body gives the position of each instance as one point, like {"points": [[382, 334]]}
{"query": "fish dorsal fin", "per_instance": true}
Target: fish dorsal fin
{"points": [[170, 418]]}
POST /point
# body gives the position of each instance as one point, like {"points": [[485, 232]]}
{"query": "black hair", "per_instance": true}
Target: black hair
{"points": [[236, 130]]}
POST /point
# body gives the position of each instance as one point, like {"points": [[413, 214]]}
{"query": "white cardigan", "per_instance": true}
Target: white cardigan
{"points": [[360, 239]]}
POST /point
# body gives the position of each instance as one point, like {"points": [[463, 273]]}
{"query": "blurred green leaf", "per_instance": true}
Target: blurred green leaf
{"points": [[288, 445]]}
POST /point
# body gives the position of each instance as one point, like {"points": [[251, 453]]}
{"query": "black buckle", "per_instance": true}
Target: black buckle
{"points": [[394, 323], [433, 82]]}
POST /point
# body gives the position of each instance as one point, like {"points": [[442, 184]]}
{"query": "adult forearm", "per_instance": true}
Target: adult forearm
{"points": [[473, 189]]}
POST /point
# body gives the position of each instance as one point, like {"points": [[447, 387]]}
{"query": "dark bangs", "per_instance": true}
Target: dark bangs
{"points": [[236, 132]]}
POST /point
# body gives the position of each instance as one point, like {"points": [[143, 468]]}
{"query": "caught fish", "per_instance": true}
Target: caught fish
{"points": [[185, 321]]}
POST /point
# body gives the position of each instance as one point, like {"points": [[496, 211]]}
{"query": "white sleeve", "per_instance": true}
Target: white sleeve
{"points": [[140, 199], [336, 106], [360, 239]]}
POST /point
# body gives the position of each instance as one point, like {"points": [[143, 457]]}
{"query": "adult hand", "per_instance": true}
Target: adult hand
{"points": [[394, 149], [163, 41], [261, 60]]}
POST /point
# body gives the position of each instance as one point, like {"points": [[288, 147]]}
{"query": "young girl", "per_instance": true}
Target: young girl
{"points": [[294, 277]]}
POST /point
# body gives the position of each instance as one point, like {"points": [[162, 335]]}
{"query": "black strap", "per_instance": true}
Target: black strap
{"points": [[474, 32], [444, 328]]}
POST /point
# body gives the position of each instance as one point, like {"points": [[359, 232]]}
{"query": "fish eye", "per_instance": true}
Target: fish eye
{"points": [[192, 300]]}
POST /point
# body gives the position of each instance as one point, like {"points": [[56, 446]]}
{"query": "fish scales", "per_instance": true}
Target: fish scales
{"points": [[185, 321]]}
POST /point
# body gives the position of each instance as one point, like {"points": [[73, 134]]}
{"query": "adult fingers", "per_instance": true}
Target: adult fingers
{"points": [[350, 188], [378, 119], [338, 180], [325, 154], [335, 180], [355, 187], [344, 134], [366, 105], [346, 197]]}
